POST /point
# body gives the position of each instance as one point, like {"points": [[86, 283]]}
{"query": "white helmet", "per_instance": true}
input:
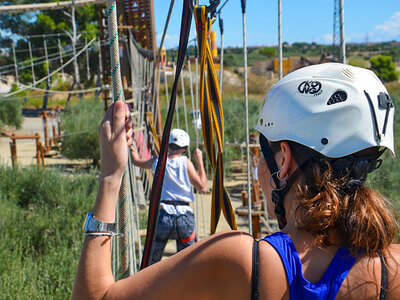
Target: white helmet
{"points": [[333, 108], [179, 137]]}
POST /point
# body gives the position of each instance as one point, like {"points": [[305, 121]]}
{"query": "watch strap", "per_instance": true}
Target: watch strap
{"points": [[94, 225]]}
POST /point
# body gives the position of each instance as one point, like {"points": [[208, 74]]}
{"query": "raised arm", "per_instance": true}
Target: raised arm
{"points": [[198, 179], [94, 276], [140, 162], [206, 265]]}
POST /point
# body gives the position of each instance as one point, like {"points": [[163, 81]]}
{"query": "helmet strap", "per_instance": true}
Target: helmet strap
{"points": [[278, 194]]}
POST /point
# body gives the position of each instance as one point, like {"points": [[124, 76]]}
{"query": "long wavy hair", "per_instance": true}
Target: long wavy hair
{"points": [[328, 203]]}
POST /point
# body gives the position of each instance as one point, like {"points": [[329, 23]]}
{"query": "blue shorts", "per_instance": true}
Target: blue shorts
{"points": [[173, 227]]}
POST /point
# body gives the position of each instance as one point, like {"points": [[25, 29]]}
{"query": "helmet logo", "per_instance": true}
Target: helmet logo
{"points": [[310, 87]]}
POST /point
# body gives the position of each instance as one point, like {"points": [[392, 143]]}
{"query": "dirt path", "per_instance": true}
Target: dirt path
{"points": [[26, 149]]}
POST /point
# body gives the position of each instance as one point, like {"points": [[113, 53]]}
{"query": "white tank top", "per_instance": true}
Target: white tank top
{"points": [[176, 185]]}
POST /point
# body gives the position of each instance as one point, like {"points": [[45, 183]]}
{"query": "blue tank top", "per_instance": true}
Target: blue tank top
{"points": [[301, 288]]}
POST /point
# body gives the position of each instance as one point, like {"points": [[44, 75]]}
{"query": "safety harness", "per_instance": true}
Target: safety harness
{"points": [[212, 120], [156, 189]]}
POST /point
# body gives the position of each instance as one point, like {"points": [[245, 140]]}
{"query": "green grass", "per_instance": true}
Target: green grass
{"points": [[41, 216]]}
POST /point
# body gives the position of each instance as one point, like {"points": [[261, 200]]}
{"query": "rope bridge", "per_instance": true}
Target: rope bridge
{"points": [[145, 68], [146, 71]]}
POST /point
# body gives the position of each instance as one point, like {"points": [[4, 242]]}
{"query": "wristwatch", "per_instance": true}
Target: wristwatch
{"points": [[93, 225]]}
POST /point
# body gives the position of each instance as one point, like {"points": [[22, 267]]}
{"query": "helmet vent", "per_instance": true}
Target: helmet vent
{"points": [[337, 97], [348, 73]]}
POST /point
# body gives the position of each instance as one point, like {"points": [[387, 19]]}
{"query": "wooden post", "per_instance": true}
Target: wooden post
{"points": [[39, 150], [13, 148], [245, 199], [41, 153], [53, 124], [58, 121], [46, 141], [107, 93], [255, 186], [255, 215], [39, 147], [255, 220], [124, 82]]}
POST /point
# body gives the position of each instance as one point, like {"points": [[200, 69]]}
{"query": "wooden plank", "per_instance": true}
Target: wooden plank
{"points": [[8, 9]]}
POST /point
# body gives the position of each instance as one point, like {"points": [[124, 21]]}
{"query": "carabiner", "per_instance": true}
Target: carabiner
{"points": [[193, 3], [211, 9], [213, 5]]}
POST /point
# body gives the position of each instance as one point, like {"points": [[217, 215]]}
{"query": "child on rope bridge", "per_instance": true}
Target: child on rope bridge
{"points": [[176, 219]]}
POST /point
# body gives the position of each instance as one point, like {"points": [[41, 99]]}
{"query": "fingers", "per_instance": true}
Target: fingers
{"points": [[109, 113], [129, 134], [127, 111], [119, 117], [105, 125]]}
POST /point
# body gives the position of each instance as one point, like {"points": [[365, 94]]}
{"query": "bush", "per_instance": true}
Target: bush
{"points": [[79, 123], [384, 68], [41, 216], [269, 52], [10, 113]]}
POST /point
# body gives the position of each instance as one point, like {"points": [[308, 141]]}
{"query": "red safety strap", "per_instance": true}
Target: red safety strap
{"points": [[156, 189]]}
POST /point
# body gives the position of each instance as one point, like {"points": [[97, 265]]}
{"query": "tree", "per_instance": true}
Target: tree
{"points": [[71, 23], [384, 68], [10, 113], [269, 52]]}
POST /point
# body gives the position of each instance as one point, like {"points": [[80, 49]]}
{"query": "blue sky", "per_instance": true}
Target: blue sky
{"points": [[302, 21]]}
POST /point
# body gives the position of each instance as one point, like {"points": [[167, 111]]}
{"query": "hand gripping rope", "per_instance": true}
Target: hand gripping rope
{"points": [[155, 194], [212, 118], [117, 92]]}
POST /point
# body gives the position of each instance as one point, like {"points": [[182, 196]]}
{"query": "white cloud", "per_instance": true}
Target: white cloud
{"points": [[389, 30], [326, 38]]}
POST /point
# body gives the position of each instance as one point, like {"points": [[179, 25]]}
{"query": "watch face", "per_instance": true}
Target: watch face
{"points": [[91, 224], [85, 224]]}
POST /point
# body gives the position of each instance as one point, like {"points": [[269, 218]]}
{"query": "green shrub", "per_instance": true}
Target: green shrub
{"points": [[269, 52], [79, 123], [41, 216], [10, 113], [384, 68]]}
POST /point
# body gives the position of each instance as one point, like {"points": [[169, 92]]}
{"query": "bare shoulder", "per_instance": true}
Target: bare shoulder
{"points": [[219, 267], [234, 246], [365, 278], [393, 263], [225, 260], [189, 162], [274, 284]]}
